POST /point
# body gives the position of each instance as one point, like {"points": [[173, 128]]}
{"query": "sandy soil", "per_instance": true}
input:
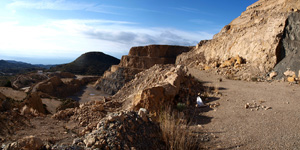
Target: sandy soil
{"points": [[232, 126], [51, 104], [14, 94], [48, 129]]}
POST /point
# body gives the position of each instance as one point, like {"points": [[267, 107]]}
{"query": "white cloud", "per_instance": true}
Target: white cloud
{"points": [[70, 38]]}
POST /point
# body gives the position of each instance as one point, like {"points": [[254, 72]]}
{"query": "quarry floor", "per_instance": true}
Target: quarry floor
{"points": [[274, 124]]}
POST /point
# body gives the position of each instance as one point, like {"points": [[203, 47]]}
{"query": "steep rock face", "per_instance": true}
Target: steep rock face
{"points": [[289, 49], [138, 59], [255, 36]]}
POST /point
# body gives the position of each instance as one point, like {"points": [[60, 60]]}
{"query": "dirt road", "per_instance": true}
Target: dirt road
{"points": [[232, 126]]}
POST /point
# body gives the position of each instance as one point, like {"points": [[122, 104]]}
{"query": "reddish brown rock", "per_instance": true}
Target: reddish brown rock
{"points": [[34, 101]]}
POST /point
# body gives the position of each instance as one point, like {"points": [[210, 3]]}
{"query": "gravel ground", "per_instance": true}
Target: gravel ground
{"points": [[233, 126]]}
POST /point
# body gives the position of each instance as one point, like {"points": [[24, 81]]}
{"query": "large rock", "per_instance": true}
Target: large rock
{"points": [[257, 36], [138, 59], [26, 143], [158, 87]]}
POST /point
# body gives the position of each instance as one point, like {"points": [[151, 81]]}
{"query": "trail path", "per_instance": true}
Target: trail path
{"points": [[232, 126], [89, 93]]}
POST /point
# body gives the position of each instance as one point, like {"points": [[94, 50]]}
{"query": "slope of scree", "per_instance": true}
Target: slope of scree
{"points": [[138, 59], [261, 36]]}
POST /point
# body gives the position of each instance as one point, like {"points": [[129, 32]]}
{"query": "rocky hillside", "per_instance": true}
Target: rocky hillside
{"points": [[7, 66], [138, 59], [265, 35], [91, 63]]}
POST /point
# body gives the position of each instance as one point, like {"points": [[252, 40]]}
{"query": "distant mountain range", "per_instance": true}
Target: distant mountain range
{"points": [[91, 63], [11, 66]]}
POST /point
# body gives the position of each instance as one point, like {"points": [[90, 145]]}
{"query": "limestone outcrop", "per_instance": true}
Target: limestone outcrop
{"points": [[264, 35], [138, 59]]}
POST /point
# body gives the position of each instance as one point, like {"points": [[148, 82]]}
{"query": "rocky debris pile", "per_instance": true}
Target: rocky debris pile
{"points": [[159, 86], [124, 130], [26, 143], [265, 35], [138, 59], [87, 115], [28, 80], [257, 106], [11, 121]]}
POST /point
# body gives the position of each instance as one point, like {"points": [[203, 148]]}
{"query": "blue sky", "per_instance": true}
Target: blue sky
{"points": [[58, 31]]}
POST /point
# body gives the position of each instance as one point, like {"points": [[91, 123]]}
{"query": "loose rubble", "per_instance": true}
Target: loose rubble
{"points": [[257, 106]]}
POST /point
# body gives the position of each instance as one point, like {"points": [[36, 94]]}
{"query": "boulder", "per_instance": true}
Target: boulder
{"points": [[273, 74], [291, 78], [26, 143]]}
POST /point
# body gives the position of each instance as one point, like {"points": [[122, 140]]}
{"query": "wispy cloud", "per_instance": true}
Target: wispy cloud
{"points": [[188, 9], [70, 5], [49, 4], [201, 21], [70, 38], [191, 10], [133, 35]]}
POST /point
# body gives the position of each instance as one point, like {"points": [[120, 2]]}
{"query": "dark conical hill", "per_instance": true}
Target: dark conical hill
{"points": [[91, 63]]}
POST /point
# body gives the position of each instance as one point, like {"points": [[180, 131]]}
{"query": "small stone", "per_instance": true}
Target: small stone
{"points": [[76, 141], [273, 74], [267, 108], [207, 67], [291, 79], [89, 141], [130, 138], [289, 73]]}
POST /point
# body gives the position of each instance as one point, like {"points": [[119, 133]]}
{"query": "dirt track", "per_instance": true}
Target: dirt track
{"points": [[232, 126]]}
